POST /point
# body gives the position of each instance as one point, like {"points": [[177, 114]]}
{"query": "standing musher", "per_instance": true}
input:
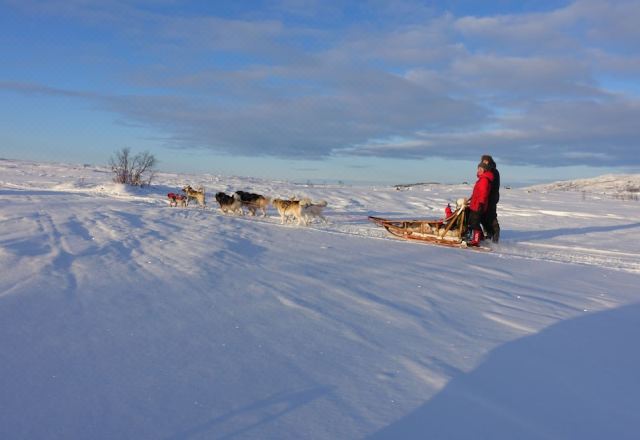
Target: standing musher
{"points": [[489, 220], [479, 202]]}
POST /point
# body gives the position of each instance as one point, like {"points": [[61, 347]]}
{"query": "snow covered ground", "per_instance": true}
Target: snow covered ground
{"points": [[121, 317], [622, 186]]}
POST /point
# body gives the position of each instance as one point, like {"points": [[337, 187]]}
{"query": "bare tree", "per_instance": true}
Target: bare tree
{"points": [[133, 170], [119, 164], [142, 165]]}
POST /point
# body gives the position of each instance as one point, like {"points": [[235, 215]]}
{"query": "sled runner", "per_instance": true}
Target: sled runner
{"points": [[450, 231]]}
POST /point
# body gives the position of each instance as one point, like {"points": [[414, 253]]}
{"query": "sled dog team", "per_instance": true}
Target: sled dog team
{"points": [[482, 221], [302, 210]]}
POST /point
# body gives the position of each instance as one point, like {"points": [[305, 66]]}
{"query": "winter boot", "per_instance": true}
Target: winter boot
{"points": [[475, 238]]}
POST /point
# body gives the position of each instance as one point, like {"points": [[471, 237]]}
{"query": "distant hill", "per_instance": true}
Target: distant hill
{"points": [[618, 185], [411, 185]]}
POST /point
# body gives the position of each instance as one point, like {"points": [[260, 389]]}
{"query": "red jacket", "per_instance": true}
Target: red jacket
{"points": [[480, 197]]}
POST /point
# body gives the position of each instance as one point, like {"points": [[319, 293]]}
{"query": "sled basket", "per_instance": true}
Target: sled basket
{"points": [[449, 231]]}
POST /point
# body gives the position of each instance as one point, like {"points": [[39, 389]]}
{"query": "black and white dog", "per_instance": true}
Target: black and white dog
{"points": [[229, 204]]}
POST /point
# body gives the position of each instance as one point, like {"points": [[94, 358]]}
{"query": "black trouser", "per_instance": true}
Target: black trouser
{"points": [[489, 221], [474, 219]]}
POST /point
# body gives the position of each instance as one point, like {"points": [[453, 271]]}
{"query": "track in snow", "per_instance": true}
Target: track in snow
{"points": [[358, 226]]}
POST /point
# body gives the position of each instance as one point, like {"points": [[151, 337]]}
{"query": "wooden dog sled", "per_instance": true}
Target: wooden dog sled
{"points": [[450, 231]]}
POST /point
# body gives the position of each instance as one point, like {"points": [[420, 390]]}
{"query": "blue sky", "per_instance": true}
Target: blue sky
{"points": [[388, 91]]}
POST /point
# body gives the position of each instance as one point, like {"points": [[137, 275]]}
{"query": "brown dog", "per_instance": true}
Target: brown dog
{"points": [[254, 202], [195, 194], [288, 208]]}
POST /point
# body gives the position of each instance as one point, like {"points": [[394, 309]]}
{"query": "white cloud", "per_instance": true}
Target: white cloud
{"points": [[528, 86]]}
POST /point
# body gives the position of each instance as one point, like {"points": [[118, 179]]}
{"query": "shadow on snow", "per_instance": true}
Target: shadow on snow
{"points": [[577, 379]]}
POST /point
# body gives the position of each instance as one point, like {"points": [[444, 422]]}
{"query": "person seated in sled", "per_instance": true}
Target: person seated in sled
{"points": [[479, 202]]}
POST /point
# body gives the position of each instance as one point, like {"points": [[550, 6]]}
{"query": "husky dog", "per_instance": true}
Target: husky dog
{"points": [[254, 202], [288, 208], [312, 210], [195, 194], [177, 199], [229, 204]]}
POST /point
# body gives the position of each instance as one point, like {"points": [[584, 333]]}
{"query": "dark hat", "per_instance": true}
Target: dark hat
{"points": [[487, 158], [484, 166]]}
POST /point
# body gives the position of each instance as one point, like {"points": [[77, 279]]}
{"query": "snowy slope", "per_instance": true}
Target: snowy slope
{"points": [[124, 318], [617, 185]]}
